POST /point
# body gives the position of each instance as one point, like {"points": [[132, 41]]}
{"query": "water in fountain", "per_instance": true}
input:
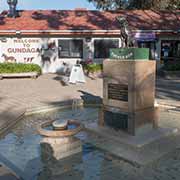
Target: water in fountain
{"points": [[75, 109]]}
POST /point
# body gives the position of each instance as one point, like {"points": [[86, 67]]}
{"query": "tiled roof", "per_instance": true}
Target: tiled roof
{"points": [[90, 20]]}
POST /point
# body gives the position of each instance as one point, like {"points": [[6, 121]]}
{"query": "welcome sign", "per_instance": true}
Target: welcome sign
{"points": [[24, 50]]}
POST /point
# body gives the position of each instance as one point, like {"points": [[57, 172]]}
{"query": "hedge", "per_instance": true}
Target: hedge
{"points": [[19, 68], [172, 67]]}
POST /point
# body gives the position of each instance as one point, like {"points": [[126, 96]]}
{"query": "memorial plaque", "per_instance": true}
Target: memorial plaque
{"points": [[118, 92]]}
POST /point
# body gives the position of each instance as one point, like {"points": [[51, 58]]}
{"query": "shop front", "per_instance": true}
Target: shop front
{"points": [[170, 51]]}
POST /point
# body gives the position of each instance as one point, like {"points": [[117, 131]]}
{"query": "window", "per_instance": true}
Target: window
{"points": [[102, 47], [70, 48]]}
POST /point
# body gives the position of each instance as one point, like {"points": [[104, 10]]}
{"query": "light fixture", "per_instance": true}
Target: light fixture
{"points": [[3, 39], [18, 32], [88, 39]]}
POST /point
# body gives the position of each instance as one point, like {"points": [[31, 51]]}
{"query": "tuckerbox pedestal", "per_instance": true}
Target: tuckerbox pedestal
{"points": [[128, 95]]}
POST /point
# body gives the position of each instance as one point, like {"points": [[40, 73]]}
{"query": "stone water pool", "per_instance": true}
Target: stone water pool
{"points": [[20, 150]]}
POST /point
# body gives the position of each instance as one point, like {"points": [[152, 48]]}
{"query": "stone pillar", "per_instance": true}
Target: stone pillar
{"points": [[59, 156], [128, 94], [59, 148]]}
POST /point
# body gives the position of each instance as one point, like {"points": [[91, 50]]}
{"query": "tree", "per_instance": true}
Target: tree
{"points": [[136, 4]]}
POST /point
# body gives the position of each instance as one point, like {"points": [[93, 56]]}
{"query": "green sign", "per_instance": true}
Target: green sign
{"points": [[130, 53]]}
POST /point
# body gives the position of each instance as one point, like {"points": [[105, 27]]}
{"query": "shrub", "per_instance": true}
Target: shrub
{"points": [[93, 67], [19, 68], [172, 67]]}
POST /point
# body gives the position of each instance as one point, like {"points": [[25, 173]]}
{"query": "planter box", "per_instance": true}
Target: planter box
{"points": [[33, 75]]}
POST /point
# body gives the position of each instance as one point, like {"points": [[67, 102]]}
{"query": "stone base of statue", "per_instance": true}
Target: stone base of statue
{"points": [[129, 93]]}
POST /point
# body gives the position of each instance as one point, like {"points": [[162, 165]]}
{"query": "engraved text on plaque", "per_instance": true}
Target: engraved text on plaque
{"points": [[118, 92]]}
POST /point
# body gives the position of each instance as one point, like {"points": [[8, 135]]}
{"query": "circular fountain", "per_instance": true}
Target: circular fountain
{"points": [[60, 128], [59, 139]]}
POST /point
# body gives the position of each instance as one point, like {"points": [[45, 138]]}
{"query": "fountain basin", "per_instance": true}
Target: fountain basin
{"points": [[60, 133]]}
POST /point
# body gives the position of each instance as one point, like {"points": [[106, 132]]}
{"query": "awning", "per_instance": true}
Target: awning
{"points": [[149, 36]]}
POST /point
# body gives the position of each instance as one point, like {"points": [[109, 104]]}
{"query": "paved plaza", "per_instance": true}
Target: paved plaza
{"points": [[48, 90]]}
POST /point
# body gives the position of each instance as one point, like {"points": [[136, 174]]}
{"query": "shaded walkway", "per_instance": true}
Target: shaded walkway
{"points": [[168, 92]]}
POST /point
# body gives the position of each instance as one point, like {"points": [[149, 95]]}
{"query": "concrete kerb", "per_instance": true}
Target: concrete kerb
{"points": [[6, 128]]}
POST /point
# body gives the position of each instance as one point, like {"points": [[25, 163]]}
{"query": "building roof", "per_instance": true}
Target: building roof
{"points": [[71, 20]]}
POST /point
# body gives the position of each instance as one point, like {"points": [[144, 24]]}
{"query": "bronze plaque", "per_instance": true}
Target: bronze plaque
{"points": [[118, 92]]}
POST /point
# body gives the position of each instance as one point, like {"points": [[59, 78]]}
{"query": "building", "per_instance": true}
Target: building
{"points": [[51, 37]]}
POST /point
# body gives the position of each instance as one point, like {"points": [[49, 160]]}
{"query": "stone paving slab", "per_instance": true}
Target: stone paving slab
{"points": [[140, 156], [138, 141]]}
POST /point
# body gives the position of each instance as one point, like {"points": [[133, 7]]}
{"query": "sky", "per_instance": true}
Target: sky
{"points": [[49, 4]]}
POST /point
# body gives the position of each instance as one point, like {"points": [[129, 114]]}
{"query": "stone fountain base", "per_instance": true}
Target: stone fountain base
{"points": [[59, 148], [59, 156], [144, 148]]}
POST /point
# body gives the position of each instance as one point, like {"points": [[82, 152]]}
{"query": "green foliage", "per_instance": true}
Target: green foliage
{"points": [[109, 4], [93, 67], [172, 67], [19, 68], [136, 4]]}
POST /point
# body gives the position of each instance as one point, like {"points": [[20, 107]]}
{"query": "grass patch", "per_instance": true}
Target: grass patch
{"points": [[19, 68]]}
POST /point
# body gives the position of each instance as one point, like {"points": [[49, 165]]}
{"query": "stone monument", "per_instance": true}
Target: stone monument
{"points": [[128, 120], [129, 87]]}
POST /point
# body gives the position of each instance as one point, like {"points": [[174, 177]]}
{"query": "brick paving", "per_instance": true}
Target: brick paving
{"points": [[47, 89]]}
